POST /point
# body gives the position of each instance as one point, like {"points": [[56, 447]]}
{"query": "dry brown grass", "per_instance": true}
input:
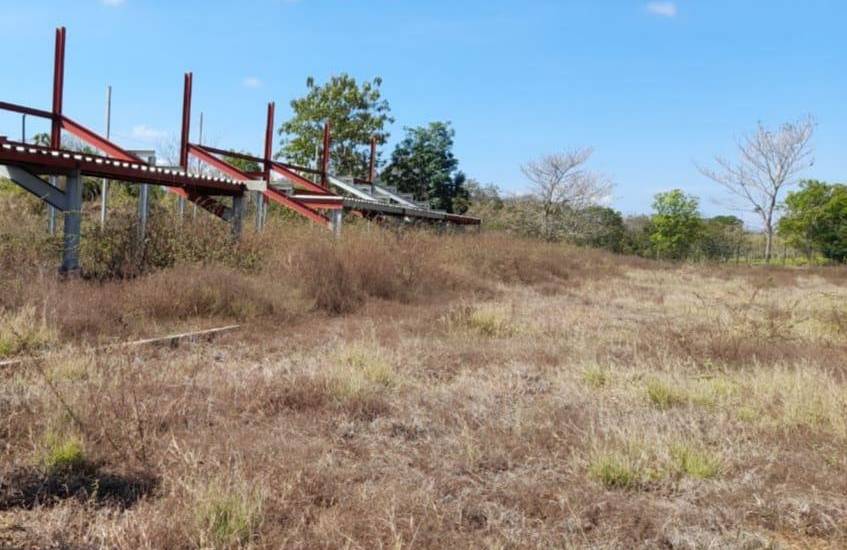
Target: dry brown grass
{"points": [[506, 394]]}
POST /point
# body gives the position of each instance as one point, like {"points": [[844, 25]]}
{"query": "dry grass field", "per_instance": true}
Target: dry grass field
{"points": [[422, 391]]}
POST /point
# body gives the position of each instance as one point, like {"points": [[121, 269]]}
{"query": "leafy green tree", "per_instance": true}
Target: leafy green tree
{"points": [[816, 219], [42, 139], [637, 238], [423, 164], [721, 237], [357, 113], [600, 227], [483, 195], [245, 165], [675, 224]]}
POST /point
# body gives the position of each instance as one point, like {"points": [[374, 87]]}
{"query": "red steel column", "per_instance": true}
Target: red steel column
{"points": [[186, 121], [269, 136], [58, 89]]}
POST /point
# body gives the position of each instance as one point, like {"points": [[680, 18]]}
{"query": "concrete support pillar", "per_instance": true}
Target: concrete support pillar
{"points": [[104, 201], [51, 220], [143, 210], [180, 206], [260, 210], [73, 225], [335, 219], [237, 215]]}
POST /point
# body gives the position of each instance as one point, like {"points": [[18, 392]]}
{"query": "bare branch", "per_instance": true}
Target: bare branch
{"points": [[560, 181], [768, 162]]}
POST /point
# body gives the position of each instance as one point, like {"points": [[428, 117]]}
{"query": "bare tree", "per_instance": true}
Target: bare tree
{"points": [[769, 161], [560, 181]]}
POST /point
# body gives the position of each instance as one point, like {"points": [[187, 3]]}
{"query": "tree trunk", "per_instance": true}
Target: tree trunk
{"points": [[768, 243]]}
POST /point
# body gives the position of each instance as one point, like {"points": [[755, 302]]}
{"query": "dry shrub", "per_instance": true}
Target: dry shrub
{"points": [[182, 293], [24, 241], [836, 275], [484, 320], [213, 291], [118, 251], [512, 260], [328, 280], [339, 275], [24, 331]]}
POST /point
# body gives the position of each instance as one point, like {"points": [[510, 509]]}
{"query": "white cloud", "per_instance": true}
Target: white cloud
{"points": [[113, 3], [142, 132], [252, 82], [662, 9]]}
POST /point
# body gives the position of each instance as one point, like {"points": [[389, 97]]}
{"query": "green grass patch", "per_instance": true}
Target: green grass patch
{"points": [[596, 376], [228, 516], [663, 396], [370, 364], [23, 331], [614, 471], [694, 462], [487, 321], [63, 453]]}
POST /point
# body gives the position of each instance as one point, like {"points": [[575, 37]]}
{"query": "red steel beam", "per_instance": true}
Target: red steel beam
{"points": [[259, 160], [232, 154], [285, 170], [294, 204], [323, 202], [25, 110], [205, 202], [272, 194], [207, 155], [46, 160], [297, 179], [200, 152], [95, 140], [300, 168]]}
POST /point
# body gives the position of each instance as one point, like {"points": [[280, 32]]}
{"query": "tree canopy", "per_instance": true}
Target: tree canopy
{"points": [[423, 164], [562, 185], [816, 219], [243, 164], [357, 113], [769, 161], [675, 225]]}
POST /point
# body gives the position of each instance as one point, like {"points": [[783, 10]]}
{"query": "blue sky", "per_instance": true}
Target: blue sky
{"points": [[653, 86]]}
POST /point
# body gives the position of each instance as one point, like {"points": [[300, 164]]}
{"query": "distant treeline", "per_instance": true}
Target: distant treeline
{"points": [[813, 228]]}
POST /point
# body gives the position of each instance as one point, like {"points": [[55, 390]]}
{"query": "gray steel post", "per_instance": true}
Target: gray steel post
{"points": [[104, 186], [237, 215], [260, 210], [51, 211], [335, 220], [180, 205], [73, 225], [143, 209]]}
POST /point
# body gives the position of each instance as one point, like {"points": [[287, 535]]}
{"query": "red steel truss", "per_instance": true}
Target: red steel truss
{"points": [[311, 200]]}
